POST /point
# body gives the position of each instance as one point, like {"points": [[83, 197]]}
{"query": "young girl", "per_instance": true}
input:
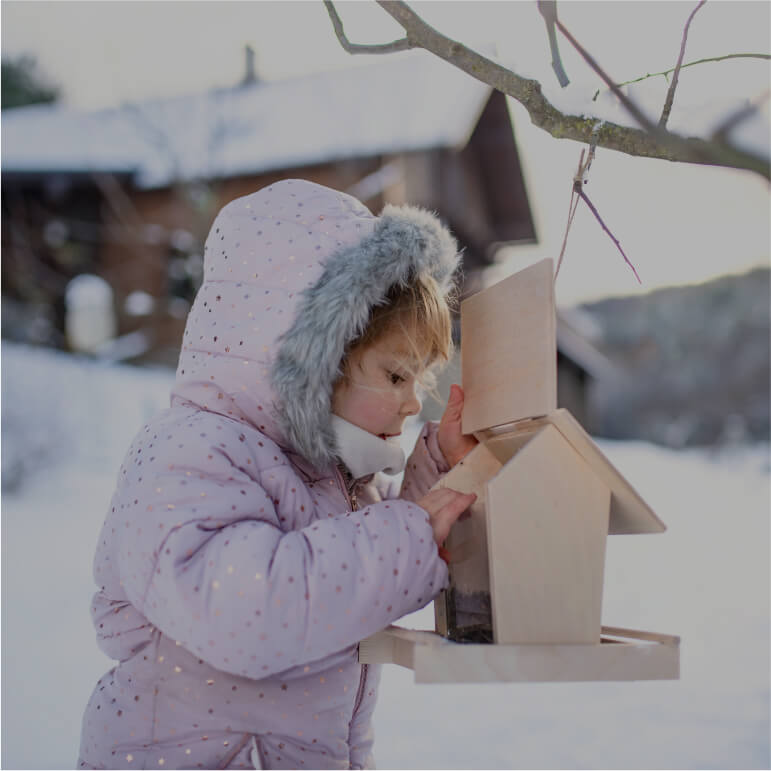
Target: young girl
{"points": [[248, 547]]}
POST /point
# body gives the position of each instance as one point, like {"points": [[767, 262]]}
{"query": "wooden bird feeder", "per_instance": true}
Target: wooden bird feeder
{"points": [[527, 560]]}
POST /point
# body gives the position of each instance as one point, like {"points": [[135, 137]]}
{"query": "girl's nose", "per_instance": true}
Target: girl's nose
{"points": [[412, 405]]}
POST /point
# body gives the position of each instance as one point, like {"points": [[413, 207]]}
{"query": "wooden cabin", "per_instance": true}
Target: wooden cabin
{"points": [[129, 193]]}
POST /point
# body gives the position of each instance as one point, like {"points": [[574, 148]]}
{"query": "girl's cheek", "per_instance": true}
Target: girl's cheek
{"points": [[375, 408], [378, 404], [363, 402]]}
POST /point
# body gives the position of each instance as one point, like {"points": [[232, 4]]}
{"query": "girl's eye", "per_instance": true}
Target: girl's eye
{"points": [[395, 379]]}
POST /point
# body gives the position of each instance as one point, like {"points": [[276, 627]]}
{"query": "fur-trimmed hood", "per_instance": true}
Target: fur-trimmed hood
{"points": [[291, 273]]}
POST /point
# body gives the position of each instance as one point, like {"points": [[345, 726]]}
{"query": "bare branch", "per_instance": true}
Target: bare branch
{"points": [[673, 85], [354, 48], [688, 64], [658, 144]]}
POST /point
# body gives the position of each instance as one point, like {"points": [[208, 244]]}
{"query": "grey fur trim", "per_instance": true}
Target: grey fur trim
{"points": [[406, 242]]}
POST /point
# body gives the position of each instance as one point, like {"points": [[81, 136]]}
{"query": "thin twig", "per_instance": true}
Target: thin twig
{"points": [[403, 44], [673, 85], [594, 211], [687, 64], [579, 180]]}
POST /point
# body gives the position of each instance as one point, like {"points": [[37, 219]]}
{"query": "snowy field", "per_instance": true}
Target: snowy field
{"points": [[66, 426]]}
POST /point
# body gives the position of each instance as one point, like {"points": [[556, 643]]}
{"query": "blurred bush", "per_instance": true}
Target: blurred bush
{"points": [[696, 362]]}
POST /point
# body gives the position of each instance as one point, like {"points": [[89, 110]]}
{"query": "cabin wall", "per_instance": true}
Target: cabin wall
{"points": [[135, 264], [174, 208]]}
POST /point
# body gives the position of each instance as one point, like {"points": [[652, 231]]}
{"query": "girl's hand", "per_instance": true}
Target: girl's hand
{"points": [[454, 444], [444, 506]]}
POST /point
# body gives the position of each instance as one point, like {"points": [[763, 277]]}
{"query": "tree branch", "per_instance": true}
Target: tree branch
{"points": [[544, 115], [354, 48], [673, 85]]}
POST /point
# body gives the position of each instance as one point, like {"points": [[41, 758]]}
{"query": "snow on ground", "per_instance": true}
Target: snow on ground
{"points": [[706, 579]]}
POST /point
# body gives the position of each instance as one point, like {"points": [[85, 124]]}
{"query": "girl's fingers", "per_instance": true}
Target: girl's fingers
{"points": [[453, 443], [454, 403], [437, 498], [459, 503], [444, 506], [449, 513]]}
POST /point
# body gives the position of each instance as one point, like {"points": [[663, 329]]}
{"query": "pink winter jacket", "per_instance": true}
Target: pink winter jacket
{"points": [[235, 579]]}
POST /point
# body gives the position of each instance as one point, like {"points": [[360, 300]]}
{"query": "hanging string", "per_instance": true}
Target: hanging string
{"points": [[578, 181], [577, 194]]}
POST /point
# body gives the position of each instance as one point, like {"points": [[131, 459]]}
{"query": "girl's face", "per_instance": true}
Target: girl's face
{"points": [[381, 390]]}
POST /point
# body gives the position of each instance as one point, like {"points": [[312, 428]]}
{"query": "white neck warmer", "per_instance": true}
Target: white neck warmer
{"points": [[364, 453]]}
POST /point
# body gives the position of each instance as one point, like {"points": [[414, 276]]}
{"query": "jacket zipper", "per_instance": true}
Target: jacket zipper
{"points": [[351, 498], [349, 494], [360, 693]]}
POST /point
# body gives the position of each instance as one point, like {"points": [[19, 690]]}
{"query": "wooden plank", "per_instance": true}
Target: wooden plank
{"points": [[629, 513], [436, 660], [509, 349], [536, 663], [664, 639], [547, 525]]}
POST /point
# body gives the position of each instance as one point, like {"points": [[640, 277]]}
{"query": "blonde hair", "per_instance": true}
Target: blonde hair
{"points": [[422, 313]]}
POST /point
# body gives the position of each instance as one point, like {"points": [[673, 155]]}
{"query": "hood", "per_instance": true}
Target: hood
{"points": [[291, 273]]}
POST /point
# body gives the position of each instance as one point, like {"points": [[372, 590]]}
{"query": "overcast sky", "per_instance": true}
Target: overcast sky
{"points": [[677, 223]]}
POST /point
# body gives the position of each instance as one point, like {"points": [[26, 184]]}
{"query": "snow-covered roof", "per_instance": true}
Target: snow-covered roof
{"points": [[407, 102]]}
